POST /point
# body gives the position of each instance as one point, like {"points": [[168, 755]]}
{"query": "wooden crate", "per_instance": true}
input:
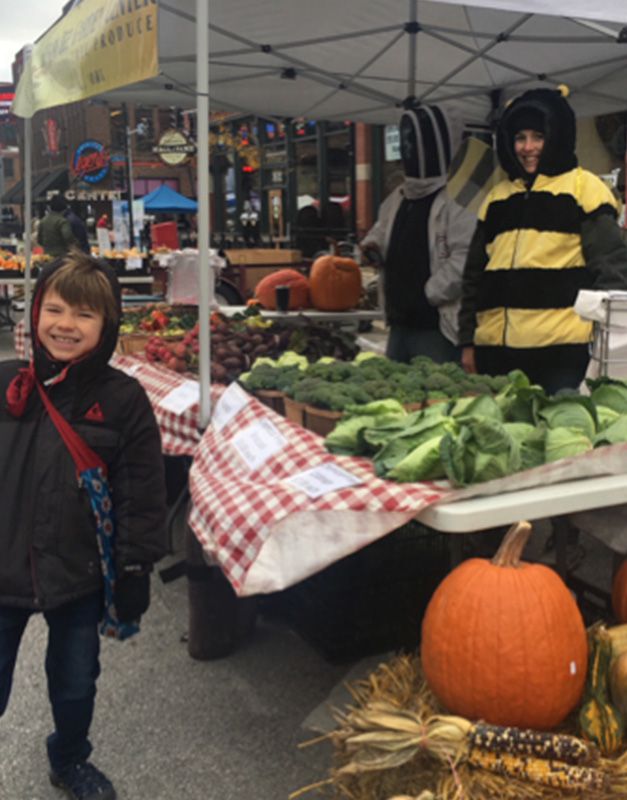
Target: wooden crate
{"points": [[260, 255]]}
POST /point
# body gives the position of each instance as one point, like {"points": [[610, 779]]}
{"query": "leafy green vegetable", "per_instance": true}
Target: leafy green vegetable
{"points": [[613, 434], [481, 406], [481, 451], [403, 443], [611, 394], [605, 417], [345, 438], [565, 443], [378, 408], [577, 413], [530, 441], [421, 464]]}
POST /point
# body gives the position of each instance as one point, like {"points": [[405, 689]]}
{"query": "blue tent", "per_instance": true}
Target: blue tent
{"points": [[165, 200]]}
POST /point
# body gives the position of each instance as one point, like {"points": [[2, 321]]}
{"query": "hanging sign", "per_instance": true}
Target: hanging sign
{"points": [[174, 148], [91, 161], [97, 46]]}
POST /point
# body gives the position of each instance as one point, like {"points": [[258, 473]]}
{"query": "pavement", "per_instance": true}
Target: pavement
{"points": [[168, 727]]}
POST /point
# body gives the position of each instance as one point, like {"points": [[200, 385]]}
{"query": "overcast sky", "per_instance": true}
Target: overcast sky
{"points": [[21, 22]]}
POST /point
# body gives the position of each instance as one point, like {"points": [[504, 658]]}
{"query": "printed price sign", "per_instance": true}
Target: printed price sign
{"points": [[230, 403], [323, 479], [258, 442], [182, 398], [134, 262]]}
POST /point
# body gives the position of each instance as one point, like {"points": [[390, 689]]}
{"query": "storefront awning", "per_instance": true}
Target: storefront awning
{"points": [[42, 183]]}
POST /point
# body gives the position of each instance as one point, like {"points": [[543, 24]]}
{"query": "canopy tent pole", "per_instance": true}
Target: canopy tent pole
{"points": [[411, 56], [28, 205], [202, 133]]}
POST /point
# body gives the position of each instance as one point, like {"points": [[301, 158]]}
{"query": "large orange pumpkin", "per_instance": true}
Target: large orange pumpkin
{"points": [[619, 593], [265, 290], [335, 283], [504, 641]]}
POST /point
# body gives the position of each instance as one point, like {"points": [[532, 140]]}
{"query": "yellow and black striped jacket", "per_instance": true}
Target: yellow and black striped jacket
{"points": [[531, 254]]}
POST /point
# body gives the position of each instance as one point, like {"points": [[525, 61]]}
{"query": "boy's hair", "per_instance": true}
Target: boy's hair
{"points": [[80, 282]]}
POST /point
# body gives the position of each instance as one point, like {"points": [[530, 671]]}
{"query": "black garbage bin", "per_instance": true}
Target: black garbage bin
{"points": [[219, 620]]}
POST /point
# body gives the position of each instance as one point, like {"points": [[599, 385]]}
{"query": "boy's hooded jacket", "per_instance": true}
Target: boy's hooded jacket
{"points": [[48, 548], [539, 240]]}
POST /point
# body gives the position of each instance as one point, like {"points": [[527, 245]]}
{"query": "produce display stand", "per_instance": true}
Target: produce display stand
{"points": [[353, 316]]}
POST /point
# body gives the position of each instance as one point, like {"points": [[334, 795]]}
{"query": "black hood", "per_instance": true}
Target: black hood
{"points": [[557, 121], [45, 366]]}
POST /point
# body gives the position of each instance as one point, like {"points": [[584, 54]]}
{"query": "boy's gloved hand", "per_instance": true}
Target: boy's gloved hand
{"points": [[132, 592]]}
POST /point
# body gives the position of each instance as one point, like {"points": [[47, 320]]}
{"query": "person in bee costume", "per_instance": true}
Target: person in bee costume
{"points": [[545, 232], [421, 239]]}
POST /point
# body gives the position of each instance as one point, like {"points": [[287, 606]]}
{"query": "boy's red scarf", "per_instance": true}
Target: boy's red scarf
{"points": [[19, 390]]}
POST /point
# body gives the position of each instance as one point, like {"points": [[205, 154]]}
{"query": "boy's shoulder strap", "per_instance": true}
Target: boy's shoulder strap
{"points": [[84, 457]]}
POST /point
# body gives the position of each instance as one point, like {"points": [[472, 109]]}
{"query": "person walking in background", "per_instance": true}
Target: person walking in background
{"points": [[79, 229], [543, 234], [55, 232], [421, 239], [50, 561], [103, 221]]}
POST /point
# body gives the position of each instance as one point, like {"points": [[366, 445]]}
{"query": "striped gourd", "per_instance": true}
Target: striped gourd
{"points": [[547, 772], [600, 722], [526, 742]]}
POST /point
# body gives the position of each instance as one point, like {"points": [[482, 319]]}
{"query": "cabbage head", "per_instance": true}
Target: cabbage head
{"points": [[611, 394], [565, 443], [421, 464], [577, 413], [613, 434], [481, 451]]}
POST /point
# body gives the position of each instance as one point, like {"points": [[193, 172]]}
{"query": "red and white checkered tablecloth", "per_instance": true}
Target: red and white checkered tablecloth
{"points": [[179, 431], [21, 341], [265, 533]]}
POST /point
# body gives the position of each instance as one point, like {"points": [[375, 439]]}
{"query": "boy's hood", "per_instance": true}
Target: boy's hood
{"points": [[45, 366], [558, 154]]}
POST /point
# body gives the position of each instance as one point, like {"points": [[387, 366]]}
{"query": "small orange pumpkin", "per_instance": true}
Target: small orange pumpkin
{"points": [[335, 283], [265, 290], [504, 641], [619, 593]]}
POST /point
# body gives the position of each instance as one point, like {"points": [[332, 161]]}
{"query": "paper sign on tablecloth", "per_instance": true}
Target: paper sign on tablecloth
{"points": [[258, 442], [134, 262], [323, 479], [232, 400], [182, 398]]}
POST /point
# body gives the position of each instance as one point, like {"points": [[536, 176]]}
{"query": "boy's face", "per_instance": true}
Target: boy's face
{"points": [[68, 332]]}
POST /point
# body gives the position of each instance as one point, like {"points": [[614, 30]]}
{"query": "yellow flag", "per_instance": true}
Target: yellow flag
{"points": [[99, 45], [473, 172]]}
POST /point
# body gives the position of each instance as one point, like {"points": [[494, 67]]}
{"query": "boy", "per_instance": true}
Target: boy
{"points": [[49, 559]]}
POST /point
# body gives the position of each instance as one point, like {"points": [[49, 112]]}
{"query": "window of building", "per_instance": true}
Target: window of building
{"points": [[144, 136], [7, 165], [118, 129], [143, 186]]}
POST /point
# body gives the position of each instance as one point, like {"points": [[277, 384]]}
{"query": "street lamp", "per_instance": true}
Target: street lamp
{"points": [[141, 130]]}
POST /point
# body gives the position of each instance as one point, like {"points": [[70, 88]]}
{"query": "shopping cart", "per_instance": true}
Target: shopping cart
{"points": [[608, 348]]}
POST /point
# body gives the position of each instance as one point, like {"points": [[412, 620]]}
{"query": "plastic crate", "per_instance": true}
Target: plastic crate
{"points": [[369, 602]]}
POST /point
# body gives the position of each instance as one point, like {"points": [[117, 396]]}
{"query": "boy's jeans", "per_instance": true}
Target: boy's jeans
{"points": [[72, 667]]}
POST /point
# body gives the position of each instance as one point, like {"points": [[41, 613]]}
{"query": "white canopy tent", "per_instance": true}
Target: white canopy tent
{"points": [[362, 59]]}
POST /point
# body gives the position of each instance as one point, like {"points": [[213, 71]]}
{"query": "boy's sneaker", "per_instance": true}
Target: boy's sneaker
{"points": [[83, 781]]}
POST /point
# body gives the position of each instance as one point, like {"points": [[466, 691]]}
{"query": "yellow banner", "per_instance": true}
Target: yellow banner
{"points": [[99, 45]]}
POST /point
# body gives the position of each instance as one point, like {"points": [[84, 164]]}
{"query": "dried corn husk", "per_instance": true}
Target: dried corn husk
{"points": [[395, 742]]}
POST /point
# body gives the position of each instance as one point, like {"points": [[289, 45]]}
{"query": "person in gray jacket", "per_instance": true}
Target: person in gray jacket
{"points": [[421, 239]]}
